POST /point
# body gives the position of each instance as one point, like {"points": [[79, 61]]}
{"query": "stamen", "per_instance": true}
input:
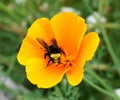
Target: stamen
{"points": [[67, 62]]}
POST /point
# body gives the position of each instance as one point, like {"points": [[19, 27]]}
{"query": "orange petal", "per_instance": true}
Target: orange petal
{"points": [[44, 76], [87, 49], [29, 49], [41, 28], [75, 75], [68, 30], [88, 46]]}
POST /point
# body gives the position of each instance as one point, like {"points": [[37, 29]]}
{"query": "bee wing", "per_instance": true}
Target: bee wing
{"points": [[42, 42], [54, 43]]}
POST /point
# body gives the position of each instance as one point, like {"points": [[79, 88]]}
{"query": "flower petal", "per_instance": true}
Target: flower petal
{"points": [[29, 49], [41, 28], [44, 76], [88, 46], [68, 30], [75, 75]]}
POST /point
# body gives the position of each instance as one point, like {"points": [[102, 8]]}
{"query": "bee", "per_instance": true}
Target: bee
{"points": [[52, 51]]}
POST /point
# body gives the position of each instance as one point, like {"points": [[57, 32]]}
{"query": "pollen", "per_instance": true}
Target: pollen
{"points": [[55, 56]]}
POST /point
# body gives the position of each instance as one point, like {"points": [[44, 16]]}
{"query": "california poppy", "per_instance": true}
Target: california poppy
{"points": [[74, 49]]}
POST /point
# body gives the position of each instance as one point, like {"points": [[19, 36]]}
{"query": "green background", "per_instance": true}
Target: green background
{"points": [[102, 73]]}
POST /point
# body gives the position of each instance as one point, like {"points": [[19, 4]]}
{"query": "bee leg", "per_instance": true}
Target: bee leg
{"points": [[63, 52], [46, 54], [59, 62], [48, 64]]}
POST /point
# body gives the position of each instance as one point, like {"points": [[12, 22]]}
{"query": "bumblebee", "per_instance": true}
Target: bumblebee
{"points": [[52, 51]]}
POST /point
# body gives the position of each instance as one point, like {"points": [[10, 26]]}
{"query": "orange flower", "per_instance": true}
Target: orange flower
{"points": [[56, 47]]}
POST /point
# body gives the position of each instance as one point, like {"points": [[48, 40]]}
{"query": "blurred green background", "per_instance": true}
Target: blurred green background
{"points": [[102, 73]]}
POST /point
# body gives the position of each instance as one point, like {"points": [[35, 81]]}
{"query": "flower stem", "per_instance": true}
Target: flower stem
{"points": [[101, 90], [112, 25], [10, 13], [91, 72], [110, 49], [11, 64], [105, 37]]}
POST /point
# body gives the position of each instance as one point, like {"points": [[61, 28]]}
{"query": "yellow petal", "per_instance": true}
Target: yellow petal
{"points": [[41, 28], [68, 29], [76, 73], [29, 49], [88, 46], [44, 76]]}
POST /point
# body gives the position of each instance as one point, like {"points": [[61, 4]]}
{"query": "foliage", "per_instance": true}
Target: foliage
{"points": [[102, 74]]}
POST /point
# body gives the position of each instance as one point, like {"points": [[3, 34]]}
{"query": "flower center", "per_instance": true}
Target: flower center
{"points": [[54, 53]]}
